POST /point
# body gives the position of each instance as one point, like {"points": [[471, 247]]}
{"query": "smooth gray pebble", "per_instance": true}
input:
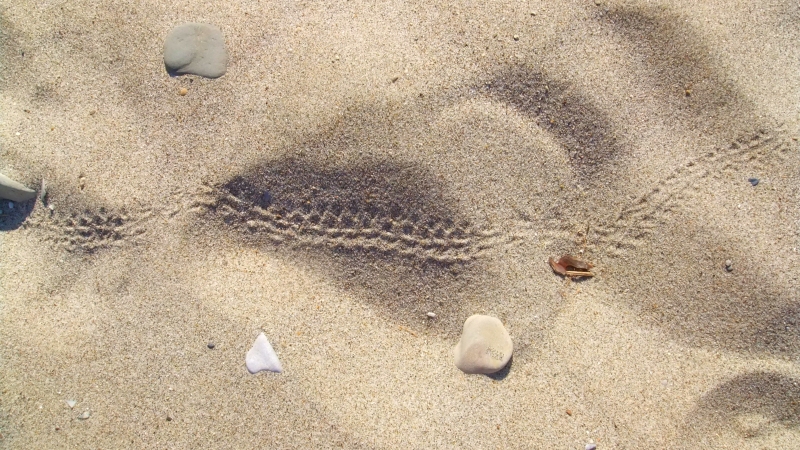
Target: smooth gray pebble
{"points": [[196, 48]]}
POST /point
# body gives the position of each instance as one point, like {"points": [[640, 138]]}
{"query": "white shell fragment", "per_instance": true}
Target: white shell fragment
{"points": [[71, 403], [262, 357], [14, 191], [485, 346]]}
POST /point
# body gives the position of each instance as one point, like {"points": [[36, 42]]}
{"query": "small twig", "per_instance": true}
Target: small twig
{"points": [[577, 273], [585, 237], [407, 330]]}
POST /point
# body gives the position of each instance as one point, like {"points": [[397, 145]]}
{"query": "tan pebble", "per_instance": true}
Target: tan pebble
{"points": [[183, 91], [485, 346]]}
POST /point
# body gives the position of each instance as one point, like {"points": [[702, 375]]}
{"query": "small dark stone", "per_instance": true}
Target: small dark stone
{"points": [[169, 419], [211, 345], [753, 181], [266, 199], [729, 265]]}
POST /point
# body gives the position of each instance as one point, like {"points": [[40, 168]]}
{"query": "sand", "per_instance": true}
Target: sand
{"points": [[361, 165]]}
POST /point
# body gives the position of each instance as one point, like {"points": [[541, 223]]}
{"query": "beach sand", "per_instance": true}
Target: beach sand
{"points": [[362, 164]]}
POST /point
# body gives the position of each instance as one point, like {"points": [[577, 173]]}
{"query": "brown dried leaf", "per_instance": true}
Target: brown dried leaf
{"points": [[568, 265]]}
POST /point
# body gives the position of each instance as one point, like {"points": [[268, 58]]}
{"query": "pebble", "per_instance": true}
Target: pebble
{"points": [[211, 345], [590, 447], [262, 357], [14, 191], [196, 48], [71, 403], [431, 315], [183, 91], [729, 265], [84, 415], [485, 346], [266, 199], [753, 181]]}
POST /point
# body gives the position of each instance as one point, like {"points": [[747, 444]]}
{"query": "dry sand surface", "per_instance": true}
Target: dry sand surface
{"points": [[362, 164]]}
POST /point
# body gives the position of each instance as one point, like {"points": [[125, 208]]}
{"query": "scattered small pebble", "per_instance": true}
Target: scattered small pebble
{"points": [[183, 91], [84, 415], [516, 37], [211, 345], [169, 419], [729, 265], [753, 181], [590, 447], [266, 199], [10, 205], [533, 13], [431, 315], [598, 2], [71, 403]]}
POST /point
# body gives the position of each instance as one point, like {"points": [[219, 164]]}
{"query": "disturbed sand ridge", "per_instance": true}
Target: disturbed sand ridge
{"points": [[347, 218]]}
